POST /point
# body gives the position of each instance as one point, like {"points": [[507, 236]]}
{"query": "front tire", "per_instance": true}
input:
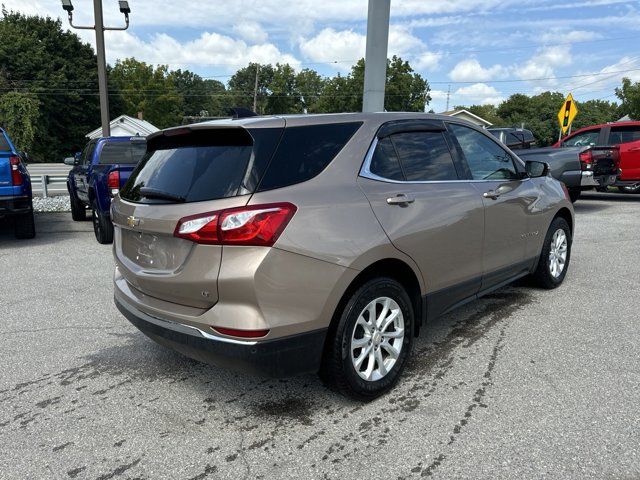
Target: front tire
{"points": [[371, 342], [102, 226], [556, 253]]}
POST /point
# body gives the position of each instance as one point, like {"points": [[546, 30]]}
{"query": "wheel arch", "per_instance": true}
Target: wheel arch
{"points": [[565, 214]]}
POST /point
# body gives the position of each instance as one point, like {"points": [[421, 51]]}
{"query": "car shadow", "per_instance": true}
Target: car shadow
{"points": [[51, 227], [611, 197]]}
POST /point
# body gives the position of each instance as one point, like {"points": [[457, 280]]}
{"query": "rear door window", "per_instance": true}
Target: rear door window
{"points": [[584, 139], [624, 134], [424, 156], [122, 152], [306, 151]]}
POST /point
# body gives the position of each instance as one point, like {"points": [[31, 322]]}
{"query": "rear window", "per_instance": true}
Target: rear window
{"points": [[201, 165], [306, 151], [122, 152], [4, 145]]}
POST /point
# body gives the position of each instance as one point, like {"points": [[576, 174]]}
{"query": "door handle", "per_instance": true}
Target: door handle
{"points": [[492, 194], [400, 199]]}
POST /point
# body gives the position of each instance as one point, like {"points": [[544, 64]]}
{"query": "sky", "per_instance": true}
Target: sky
{"points": [[480, 51]]}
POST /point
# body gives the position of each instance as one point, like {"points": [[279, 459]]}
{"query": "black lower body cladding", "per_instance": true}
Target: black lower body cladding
{"points": [[278, 358]]}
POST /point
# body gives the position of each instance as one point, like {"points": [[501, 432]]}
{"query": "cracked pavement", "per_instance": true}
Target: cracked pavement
{"points": [[523, 383]]}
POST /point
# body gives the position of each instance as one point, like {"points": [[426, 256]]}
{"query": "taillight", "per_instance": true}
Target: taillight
{"points": [[586, 160], [241, 333], [16, 175], [113, 182], [259, 225]]}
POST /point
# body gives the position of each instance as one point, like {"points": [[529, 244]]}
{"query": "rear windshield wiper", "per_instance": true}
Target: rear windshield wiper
{"points": [[159, 194]]}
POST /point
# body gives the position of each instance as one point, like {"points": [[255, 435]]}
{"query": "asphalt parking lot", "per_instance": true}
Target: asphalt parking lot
{"points": [[523, 384]]}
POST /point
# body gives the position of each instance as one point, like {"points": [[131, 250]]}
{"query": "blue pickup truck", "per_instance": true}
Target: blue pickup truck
{"points": [[98, 173], [15, 189]]}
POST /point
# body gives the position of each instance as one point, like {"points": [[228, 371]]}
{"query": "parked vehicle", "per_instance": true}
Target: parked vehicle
{"points": [[625, 136], [323, 243], [514, 138], [16, 198], [579, 167], [98, 173]]}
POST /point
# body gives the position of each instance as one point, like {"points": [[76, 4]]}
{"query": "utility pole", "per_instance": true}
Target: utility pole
{"points": [[255, 90], [448, 95], [99, 28], [375, 67]]}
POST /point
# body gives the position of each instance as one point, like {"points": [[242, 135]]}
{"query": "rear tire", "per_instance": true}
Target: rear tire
{"points": [[102, 226], [78, 210], [24, 226], [556, 254], [635, 189], [574, 195], [369, 345]]}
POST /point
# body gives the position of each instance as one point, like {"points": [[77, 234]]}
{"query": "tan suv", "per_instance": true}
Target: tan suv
{"points": [[324, 243]]}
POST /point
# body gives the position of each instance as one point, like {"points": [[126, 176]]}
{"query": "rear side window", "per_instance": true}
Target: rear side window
{"points": [[626, 134], [306, 151], [4, 144], [202, 165], [384, 162], [424, 156], [122, 152]]}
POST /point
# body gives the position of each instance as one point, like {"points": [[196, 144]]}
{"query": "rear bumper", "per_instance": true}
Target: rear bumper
{"points": [[592, 179], [281, 357], [15, 205]]}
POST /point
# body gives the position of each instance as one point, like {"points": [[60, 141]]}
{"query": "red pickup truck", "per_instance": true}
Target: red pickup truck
{"points": [[624, 135]]}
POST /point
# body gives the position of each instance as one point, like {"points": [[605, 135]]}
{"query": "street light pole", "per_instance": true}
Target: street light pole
{"points": [[99, 28], [375, 66]]}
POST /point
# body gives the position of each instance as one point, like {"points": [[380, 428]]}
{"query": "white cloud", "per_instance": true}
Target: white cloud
{"points": [[251, 32], [543, 63], [560, 36], [347, 46], [478, 93], [207, 49], [471, 71]]}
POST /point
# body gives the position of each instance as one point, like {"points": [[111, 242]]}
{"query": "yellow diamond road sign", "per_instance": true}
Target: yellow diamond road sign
{"points": [[567, 113]]}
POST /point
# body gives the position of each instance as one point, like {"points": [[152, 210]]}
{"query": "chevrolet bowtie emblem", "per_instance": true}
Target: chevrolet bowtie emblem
{"points": [[133, 221]]}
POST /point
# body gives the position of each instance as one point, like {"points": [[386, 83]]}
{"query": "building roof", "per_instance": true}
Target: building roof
{"points": [[126, 125], [462, 111]]}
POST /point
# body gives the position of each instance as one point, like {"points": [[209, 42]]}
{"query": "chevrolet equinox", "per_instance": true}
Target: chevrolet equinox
{"points": [[323, 243]]}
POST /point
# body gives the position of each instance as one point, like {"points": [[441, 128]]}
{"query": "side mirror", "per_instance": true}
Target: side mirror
{"points": [[536, 169], [70, 161]]}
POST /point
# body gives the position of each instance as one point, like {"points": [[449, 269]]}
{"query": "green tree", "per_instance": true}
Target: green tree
{"points": [[39, 58], [283, 94], [309, 86], [19, 114], [537, 113], [199, 95], [147, 90], [241, 87], [594, 112], [629, 95]]}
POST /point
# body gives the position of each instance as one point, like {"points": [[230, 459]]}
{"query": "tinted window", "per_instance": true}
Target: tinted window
{"points": [[122, 152], [624, 134], [384, 162], [487, 160], [4, 145], [424, 156], [584, 139], [304, 152], [206, 164]]}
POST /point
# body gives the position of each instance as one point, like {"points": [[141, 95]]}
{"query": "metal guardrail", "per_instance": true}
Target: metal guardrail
{"points": [[42, 183]]}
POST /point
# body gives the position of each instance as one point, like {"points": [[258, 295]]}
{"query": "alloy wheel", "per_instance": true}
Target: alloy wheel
{"points": [[377, 339], [558, 253]]}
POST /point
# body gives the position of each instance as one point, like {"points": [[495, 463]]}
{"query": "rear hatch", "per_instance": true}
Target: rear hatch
{"points": [[186, 172]]}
